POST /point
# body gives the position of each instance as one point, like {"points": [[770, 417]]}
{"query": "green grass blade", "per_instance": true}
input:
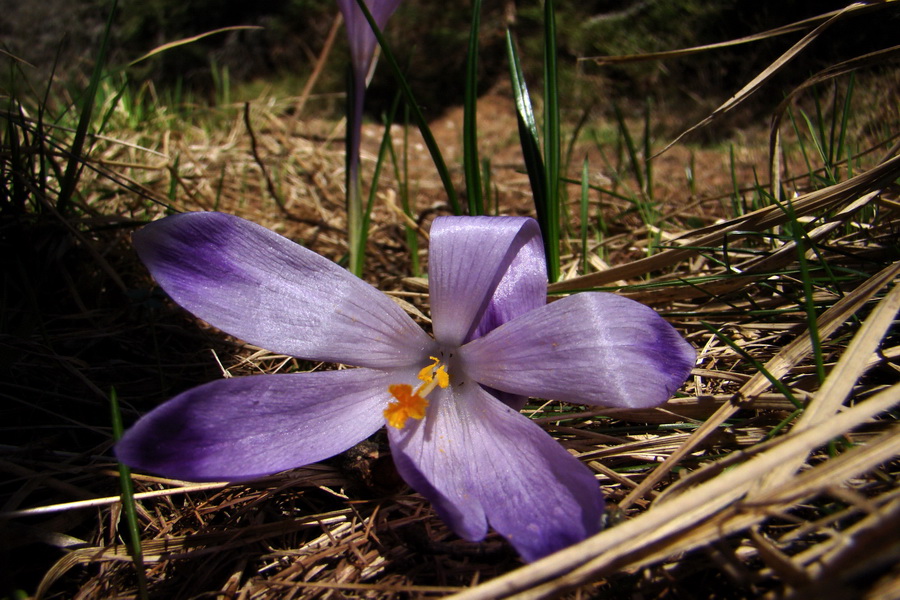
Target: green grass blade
{"points": [[520, 89], [419, 118], [583, 119], [134, 531], [832, 130], [821, 129], [776, 383], [630, 147], [648, 152], [585, 188], [487, 186], [529, 139], [383, 152], [802, 241], [801, 142], [784, 423], [690, 174], [551, 140], [846, 114], [73, 167], [817, 134], [113, 103], [356, 246], [470, 128], [401, 174], [737, 203]]}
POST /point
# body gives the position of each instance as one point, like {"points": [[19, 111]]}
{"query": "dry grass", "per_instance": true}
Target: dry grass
{"points": [[736, 488]]}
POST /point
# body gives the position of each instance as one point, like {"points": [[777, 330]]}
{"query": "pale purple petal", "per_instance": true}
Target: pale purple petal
{"points": [[481, 463], [246, 427], [590, 348], [522, 288], [263, 288], [482, 272]]}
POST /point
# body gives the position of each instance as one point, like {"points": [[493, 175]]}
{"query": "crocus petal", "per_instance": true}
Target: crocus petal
{"points": [[590, 348], [246, 427], [362, 44], [359, 34], [473, 286], [263, 288], [480, 462]]}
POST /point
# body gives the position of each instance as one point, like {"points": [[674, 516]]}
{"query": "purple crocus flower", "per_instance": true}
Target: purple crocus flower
{"points": [[362, 44], [451, 402], [360, 35]]}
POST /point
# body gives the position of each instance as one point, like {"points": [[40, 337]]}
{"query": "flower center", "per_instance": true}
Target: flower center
{"points": [[408, 404]]}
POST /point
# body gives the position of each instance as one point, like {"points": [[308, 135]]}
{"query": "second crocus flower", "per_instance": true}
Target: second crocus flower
{"points": [[362, 44]]}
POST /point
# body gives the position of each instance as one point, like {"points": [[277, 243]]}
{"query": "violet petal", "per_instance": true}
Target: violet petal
{"points": [[246, 427], [480, 462], [360, 36], [259, 286], [361, 40], [589, 348], [482, 272]]}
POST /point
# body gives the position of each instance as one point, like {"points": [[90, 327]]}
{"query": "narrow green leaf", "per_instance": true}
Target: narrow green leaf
{"points": [[383, 151], [73, 167], [737, 204], [134, 531], [630, 147], [846, 113], [777, 383], [355, 243], [419, 118], [470, 127], [520, 89], [551, 139], [801, 242], [801, 142], [529, 139], [585, 188], [832, 154], [648, 152], [401, 174]]}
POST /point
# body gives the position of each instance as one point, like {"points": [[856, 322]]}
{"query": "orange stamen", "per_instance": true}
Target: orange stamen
{"points": [[412, 405], [408, 405], [427, 373]]}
